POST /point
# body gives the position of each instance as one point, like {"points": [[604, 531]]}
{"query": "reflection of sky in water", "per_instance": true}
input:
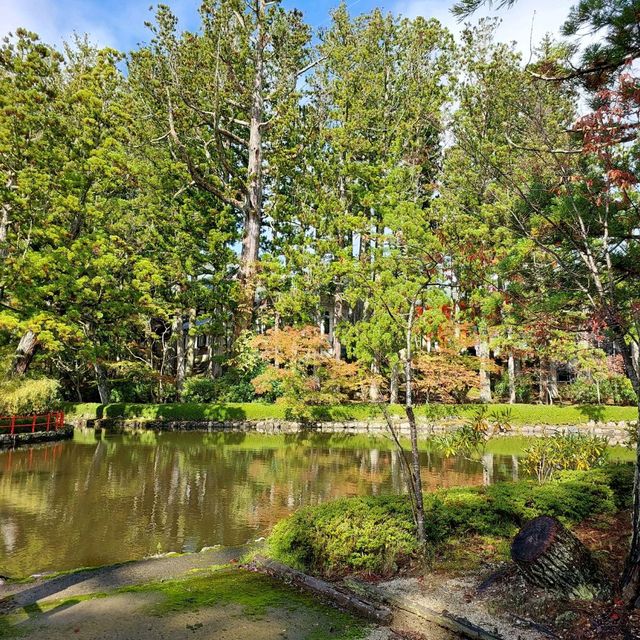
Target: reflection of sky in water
{"points": [[90, 502]]}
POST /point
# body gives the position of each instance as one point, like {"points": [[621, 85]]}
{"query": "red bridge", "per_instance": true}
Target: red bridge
{"points": [[52, 421]]}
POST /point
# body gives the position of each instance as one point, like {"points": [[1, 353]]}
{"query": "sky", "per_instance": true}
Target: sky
{"points": [[120, 23]]}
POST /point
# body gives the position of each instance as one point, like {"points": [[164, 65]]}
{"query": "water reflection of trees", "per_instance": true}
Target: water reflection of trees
{"points": [[84, 503]]}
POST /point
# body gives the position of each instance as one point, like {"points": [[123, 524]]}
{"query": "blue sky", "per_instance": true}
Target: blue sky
{"points": [[120, 23]]}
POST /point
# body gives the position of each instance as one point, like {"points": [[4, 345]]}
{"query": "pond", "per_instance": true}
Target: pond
{"points": [[93, 501]]}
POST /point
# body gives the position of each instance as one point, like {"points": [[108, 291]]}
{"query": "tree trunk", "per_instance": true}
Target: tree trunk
{"points": [[630, 581], [5, 208], [253, 200], [180, 368], [552, 381], [337, 318], [511, 367], [413, 429], [102, 381], [551, 557], [374, 386], [631, 575], [4, 230], [190, 344], [25, 351], [484, 354], [542, 382], [394, 384]]}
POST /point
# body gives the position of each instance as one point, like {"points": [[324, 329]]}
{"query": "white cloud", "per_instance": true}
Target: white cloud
{"points": [[120, 26], [527, 20], [54, 22]]}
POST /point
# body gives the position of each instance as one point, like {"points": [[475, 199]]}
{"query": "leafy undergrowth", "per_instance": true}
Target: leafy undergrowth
{"points": [[376, 535]]}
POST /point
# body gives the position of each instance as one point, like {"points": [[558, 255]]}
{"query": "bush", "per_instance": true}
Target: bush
{"points": [[564, 452], [132, 391], [199, 389], [27, 396], [524, 387], [377, 534], [352, 534], [619, 477], [616, 390], [620, 390], [235, 386]]}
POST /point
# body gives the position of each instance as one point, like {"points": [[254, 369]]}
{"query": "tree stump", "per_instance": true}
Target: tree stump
{"points": [[551, 557]]}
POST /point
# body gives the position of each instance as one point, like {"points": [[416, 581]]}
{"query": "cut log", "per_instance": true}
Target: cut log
{"points": [[443, 619], [551, 557], [328, 592]]}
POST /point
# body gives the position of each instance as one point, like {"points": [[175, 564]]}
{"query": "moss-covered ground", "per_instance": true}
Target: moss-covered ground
{"points": [[210, 598]]}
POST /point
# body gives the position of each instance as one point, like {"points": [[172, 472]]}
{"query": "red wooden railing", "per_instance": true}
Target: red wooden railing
{"points": [[51, 421]]}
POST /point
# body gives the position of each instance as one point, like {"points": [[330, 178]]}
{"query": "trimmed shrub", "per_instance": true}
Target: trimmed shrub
{"points": [[366, 534], [377, 534]]}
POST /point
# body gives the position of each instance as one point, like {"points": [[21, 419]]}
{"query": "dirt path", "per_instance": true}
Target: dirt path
{"points": [[198, 596], [110, 578]]}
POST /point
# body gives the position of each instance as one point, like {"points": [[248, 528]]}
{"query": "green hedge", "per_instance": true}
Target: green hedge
{"points": [[520, 413], [376, 534]]}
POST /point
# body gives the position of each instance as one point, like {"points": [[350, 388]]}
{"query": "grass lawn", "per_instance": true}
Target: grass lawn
{"points": [[520, 413]]}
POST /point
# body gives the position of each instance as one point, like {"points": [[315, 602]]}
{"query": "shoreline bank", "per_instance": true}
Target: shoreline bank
{"points": [[616, 432]]}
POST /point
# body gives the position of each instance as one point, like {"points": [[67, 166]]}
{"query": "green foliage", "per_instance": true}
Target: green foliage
{"points": [[616, 390], [300, 372], [564, 451], [370, 535], [472, 438], [27, 396], [523, 385], [376, 535], [199, 389]]}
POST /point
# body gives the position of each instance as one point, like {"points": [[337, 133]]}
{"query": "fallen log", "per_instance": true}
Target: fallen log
{"points": [[549, 556], [341, 597], [443, 619]]}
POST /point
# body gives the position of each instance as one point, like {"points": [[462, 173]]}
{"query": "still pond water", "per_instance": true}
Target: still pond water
{"points": [[97, 501]]}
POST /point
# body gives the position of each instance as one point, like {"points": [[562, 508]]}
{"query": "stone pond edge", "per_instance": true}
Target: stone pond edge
{"points": [[616, 432]]}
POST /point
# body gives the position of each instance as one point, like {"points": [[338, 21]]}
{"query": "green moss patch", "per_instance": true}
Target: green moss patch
{"points": [[217, 586], [255, 593]]}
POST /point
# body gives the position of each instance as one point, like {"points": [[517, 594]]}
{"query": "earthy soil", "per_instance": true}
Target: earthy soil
{"points": [[506, 594], [124, 617]]}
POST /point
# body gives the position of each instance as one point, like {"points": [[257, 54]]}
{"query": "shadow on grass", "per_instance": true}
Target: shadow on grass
{"points": [[184, 411], [594, 412]]}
